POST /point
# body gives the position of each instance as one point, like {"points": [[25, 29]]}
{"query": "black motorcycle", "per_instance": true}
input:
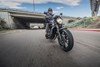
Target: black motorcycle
{"points": [[57, 30]]}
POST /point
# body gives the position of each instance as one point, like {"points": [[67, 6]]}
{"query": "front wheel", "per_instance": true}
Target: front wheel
{"points": [[66, 41]]}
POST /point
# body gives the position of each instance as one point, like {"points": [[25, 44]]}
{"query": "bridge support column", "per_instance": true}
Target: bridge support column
{"points": [[8, 19]]}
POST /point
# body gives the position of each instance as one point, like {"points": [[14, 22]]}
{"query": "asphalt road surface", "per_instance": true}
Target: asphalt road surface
{"points": [[29, 48]]}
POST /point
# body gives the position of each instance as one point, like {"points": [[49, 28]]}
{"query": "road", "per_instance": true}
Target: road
{"points": [[29, 48]]}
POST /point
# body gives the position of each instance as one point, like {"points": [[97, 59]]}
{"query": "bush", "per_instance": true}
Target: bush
{"points": [[78, 18], [65, 26], [70, 21]]}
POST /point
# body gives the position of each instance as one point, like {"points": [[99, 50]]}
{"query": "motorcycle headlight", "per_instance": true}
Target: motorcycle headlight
{"points": [[59, 20]]}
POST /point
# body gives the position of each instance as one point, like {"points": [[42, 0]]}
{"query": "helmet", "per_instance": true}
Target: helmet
{"points": [[50, 9]]}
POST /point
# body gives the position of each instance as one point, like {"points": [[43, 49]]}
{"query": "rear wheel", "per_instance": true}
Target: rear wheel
{"points": [[66, 41]]}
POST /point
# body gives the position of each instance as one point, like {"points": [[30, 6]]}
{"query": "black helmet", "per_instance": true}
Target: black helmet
{"points": [[50, 9]]}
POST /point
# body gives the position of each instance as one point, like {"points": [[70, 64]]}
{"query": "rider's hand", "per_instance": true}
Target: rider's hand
{"points": [[45, 12]]}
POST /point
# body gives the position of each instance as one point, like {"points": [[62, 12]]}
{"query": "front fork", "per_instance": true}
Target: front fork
{"points": [[59, 31], [59, 35]]}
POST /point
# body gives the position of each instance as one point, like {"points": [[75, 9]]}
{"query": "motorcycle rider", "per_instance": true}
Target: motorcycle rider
{"points": [[49, 14]]}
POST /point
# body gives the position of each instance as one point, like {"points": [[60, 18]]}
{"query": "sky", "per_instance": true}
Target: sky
{"points": [[74, 8]]}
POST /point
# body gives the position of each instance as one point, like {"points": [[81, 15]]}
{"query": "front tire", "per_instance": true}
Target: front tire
{"points": [[66, 41]]}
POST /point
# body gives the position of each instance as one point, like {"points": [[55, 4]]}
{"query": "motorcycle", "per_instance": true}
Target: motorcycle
{"points": [[57, 30]]}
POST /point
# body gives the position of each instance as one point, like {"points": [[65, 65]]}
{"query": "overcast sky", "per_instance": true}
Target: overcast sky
{"points": [[75, 8]]}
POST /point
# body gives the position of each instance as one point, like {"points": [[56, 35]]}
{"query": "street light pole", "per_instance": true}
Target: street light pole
{"points": [[33, 5]]}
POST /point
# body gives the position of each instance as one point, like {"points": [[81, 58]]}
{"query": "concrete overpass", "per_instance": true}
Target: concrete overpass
{"points": [[94, 7], [22, 19]]}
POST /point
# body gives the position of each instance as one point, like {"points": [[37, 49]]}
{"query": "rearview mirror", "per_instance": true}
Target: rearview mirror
{"points": [[61, 14]]}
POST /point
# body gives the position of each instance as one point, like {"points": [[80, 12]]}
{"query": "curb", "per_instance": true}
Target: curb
{"points": [[93, 30]]}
